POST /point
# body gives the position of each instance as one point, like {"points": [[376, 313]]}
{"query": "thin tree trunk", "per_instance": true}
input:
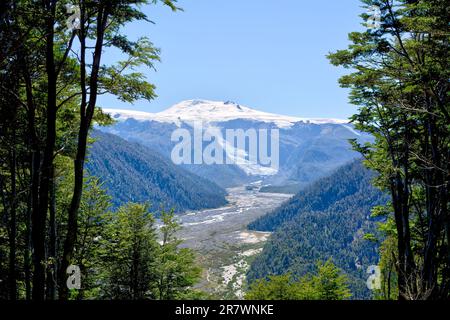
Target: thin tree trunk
{"points": [[400, 241], [27, 253], [40, 215], [435, 211], [13, 221], [35, 164], [52, 268], [86, 113]]}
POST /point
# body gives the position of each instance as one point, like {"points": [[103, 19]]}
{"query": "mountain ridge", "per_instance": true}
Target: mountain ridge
{"points": [[307, 150], [327, 220], [215, 111], [132, 172]]}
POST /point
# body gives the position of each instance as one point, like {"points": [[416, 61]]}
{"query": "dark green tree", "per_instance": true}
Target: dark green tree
{"points": [[399, 80], [176, 269], [51, 75], [327, 284], [129, 250]]}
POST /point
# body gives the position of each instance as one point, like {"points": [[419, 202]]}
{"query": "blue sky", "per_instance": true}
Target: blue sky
{"points": [[265, 54]]}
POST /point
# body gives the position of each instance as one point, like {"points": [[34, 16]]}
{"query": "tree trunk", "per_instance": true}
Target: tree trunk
{"points": [[35, 164], [40, 215], [52, 267], [13, 221], [27, 253], [72, 223], [86, 114]]}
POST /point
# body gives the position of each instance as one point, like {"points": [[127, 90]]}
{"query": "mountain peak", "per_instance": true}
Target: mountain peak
{"points": [[215, 111], [207, 109]]}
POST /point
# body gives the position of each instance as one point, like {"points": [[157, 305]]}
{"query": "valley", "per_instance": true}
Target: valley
{"points": [[224, 245], [305, 151]]}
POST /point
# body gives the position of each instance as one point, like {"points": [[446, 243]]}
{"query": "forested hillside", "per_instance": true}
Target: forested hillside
{"points": [[131, 172], [398, 77], [309, 148], [327, 220], [78, 217], [319, 196]]}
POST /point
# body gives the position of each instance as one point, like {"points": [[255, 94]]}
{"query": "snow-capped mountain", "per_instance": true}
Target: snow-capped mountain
{"points": [[308, 148], [214, 111]]}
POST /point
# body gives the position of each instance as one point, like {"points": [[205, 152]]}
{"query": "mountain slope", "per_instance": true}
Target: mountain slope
{"points": [[343, 183], [214, 111], [309, 148], [326, 220], [131, 172]]}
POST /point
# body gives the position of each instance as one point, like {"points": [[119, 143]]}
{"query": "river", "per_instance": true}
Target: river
{"points": [[220, 237]]}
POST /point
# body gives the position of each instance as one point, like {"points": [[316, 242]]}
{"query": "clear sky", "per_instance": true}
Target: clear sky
{"points": [[265, 54]]}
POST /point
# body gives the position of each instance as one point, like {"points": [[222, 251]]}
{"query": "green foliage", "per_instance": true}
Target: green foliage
{"points": [[94, 211], [328, 284], [176, 270], [121, 257], [128, 252], [389, 281], [273, 288], [399, 80], [329, 219], [51, 76], [132, 173]]}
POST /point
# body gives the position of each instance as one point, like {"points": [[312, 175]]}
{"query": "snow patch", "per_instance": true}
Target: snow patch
{"points": [[228, 273], [251, 252], [349, 128], [253, 237], [214, 111]]}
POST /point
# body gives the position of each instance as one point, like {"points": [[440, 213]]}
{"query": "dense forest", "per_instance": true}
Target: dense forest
{"points": [[55, 217], [132, 173], [52, 72], [399, 70], [344, 183], [328, 220], [157, 137], [327, 282], [399, 79]]}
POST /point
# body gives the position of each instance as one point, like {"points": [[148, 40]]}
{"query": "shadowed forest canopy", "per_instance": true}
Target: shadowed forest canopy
{"points": [[54, 213], [400, 81], [328, 220], [132, 172], [52, 72]]}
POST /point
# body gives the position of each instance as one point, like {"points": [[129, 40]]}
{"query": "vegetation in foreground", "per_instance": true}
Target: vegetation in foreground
{"points": [[51, 76], [327, 284]]}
